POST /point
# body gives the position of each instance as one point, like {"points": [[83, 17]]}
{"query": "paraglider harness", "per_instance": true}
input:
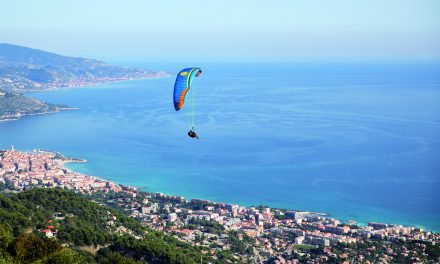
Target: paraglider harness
{"points": [[192, 134]]}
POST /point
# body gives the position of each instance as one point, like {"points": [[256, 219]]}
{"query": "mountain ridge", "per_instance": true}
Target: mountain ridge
{"points": [[17, 54], [24, 69]]}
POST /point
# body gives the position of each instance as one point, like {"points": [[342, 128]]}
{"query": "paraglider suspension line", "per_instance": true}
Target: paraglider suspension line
{"points": [[193, 101]]}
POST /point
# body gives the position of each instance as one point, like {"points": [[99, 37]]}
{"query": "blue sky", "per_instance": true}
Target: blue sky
{"points": [[310, 30]]}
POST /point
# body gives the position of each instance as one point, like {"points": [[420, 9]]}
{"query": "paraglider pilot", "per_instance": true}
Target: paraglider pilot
{"points": [[192, 134]]}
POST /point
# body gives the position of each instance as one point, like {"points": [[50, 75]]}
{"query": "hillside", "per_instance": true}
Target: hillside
{"points": [[14, 105], [25, 69], [79, 224]]}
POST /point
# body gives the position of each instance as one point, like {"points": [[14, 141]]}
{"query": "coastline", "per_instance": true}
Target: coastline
{"points": [[363, 223], [21, 115], [324, 214], [158, 75], [73, 87], [320, 214], [274, 231], [63, 87]]}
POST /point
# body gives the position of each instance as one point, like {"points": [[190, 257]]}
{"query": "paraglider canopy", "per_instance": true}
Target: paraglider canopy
{"points": [[182, 85]]}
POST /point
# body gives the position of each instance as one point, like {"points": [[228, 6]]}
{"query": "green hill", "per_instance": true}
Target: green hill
{"points": [[14, 105], [80, 224]]}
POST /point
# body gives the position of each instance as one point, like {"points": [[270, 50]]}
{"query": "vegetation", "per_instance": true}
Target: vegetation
{"points": [[80, 222], [241, 243], [206, 226], [13, 104], [304, 247]]}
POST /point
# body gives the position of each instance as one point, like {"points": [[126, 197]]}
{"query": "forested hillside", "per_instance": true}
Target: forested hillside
{"points": [[80, 228]]}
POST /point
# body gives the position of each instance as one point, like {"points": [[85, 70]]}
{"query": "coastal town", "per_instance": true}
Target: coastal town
{"points": [[21, 170], [257, 234], [22, 84]]}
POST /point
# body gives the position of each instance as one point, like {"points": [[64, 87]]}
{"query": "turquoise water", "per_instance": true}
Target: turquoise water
{"points": [[359, 142]]}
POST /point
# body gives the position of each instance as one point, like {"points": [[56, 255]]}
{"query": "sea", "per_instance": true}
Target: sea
{"points": [[358, 141]]}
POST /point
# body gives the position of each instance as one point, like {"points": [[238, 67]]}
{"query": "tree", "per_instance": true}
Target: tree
{"points": [[63, 256], [6, 237], [28, 247]]}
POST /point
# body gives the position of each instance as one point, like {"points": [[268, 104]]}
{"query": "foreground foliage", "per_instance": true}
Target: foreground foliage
{"points": [[80, 222]]}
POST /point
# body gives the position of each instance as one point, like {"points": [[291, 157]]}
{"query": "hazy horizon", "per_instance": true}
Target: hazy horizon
{"points": [[228, 30]]}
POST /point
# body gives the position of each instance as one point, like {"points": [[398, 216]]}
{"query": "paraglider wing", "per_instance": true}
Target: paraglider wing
{"points": [[183, 84]]}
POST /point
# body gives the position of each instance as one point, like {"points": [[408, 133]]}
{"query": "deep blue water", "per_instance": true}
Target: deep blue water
{"points": [[359, 142]]}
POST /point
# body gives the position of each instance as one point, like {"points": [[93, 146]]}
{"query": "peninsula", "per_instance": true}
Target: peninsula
{"points": [[14, 105]]}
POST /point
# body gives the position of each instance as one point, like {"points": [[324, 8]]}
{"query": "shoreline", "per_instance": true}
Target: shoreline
{"points": [[20, 115], [274, 231], [63, 160], [325, 214], [91, 84], [65, 87], [321, 214]]}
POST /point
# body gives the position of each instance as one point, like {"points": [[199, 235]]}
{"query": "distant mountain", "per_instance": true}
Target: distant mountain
{"points": [[25, 69], [13, 55]]}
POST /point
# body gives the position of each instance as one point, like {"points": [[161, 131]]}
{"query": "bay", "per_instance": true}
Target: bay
{"points": [[357, 141]]}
